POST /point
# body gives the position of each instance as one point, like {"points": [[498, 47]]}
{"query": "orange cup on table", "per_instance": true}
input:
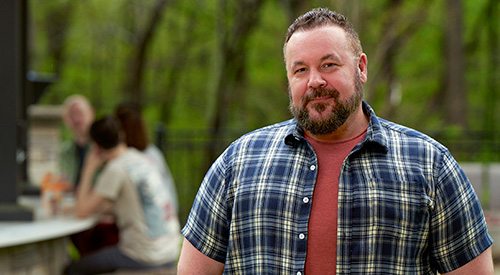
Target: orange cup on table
{"points": [[54, 188]]}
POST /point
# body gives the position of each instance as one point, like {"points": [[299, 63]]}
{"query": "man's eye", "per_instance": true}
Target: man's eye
{"points": [[299, 70], [330, 66]]}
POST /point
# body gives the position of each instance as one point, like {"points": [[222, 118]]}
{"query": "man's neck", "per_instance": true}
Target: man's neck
{"points": [[117, 151], [81, 141]]}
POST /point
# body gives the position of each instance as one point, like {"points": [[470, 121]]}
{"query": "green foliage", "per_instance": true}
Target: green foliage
{"points": [[185, 61], [267, 94]]}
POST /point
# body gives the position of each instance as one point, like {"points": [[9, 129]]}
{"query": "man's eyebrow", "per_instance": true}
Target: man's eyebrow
{"points": [[326, 57], [298, 63], [330, 56]]}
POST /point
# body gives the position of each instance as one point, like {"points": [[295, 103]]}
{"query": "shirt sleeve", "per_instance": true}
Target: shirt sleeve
{"points": [[109, 182], [458, 228], [207, 227]]}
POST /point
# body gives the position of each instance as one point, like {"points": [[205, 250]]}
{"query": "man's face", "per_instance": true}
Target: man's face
{"points": [[325, 79], [78, 117]]}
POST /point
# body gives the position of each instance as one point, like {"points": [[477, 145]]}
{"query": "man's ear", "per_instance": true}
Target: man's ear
{"points": [[363, 68]]}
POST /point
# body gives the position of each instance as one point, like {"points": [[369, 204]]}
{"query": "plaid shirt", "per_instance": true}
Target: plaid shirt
{"points": [[404, 205]]}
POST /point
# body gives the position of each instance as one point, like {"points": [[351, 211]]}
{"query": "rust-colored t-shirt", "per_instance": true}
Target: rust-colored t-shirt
{"points": [[322, 229]]}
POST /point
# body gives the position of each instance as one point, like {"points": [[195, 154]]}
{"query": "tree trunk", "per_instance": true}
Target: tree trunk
{"points": [[455, 96], [493, 77], [295, 8], [232, 37], [133, 85], [177, 65], [57, 29], [397, 30], [391, 40]]}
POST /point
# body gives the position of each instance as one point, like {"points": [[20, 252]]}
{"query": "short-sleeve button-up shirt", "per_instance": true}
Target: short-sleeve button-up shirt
{"points": [[404, 205]]}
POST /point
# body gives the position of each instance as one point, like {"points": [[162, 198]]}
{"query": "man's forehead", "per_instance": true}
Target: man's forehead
{"points": [[331, 29], [329, 38], [78, 105]]}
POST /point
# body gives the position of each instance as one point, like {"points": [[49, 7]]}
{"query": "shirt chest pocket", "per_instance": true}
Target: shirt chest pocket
{"points": [[388, 209]]}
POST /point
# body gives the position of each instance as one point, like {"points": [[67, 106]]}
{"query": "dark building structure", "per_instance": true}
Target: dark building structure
{"points": [[17, 93]]}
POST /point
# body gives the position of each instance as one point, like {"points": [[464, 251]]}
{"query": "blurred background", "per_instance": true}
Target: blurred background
{"points": [[207, 71]]}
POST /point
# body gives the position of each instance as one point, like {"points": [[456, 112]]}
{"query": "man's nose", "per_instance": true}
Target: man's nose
{"points": [[316, 79]]}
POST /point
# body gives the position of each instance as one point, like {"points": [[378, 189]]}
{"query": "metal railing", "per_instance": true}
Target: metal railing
{"points": [[190, 152]]}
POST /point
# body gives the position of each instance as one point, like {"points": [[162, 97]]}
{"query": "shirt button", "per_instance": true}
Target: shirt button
{"points": [[313, 167], [299, 273], [301, 236], [305, 199]]}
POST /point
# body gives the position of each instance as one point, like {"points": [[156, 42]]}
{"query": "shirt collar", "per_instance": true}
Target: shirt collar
{"points": [[374, 134], [295, 134]]}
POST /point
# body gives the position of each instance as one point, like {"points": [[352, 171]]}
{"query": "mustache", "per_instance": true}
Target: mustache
{"points": [[320, 92]]}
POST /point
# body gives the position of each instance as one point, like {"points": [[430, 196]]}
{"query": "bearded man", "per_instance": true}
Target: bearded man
{"points": [[336, 190]]}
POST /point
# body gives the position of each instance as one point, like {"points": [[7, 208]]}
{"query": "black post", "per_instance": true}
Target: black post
{"points": [[160, 136], [12, 120]]}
